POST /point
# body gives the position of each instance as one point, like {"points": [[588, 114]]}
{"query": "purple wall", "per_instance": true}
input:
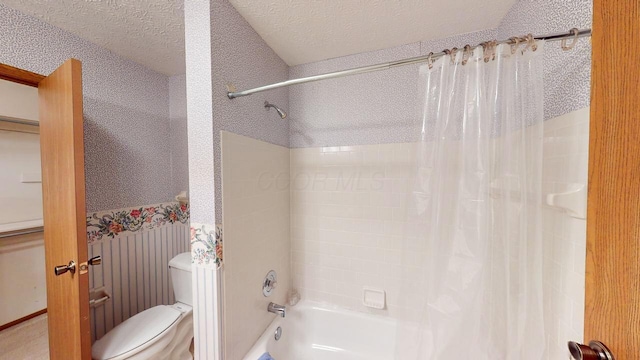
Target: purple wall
{"points": [[126, 111], [380, 107], [240, 56]]}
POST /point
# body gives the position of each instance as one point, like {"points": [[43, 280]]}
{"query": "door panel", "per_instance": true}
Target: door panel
{"points": [[612, 312], [63, 185]]}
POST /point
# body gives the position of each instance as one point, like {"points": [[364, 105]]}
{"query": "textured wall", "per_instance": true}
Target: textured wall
{"points": [[380, 107], [241, 57], [567, 74], [199, 111], [126, 108], [197, 15], [178, 133], [158, 42]]}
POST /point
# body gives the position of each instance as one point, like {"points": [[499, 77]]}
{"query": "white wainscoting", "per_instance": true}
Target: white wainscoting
{"points": [[134, 272]]}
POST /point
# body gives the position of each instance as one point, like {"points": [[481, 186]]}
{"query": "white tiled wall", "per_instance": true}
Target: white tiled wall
{"points": [[255, 213], [346, 216], [565, 160], [347, 209]]}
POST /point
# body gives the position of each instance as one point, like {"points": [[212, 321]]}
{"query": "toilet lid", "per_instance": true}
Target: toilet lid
{"points": [[135, 332]]}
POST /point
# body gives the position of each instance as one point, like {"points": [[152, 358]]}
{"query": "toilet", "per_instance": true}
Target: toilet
{"points": [[161, 332]]}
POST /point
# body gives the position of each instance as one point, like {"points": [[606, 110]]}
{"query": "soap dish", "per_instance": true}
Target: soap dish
{"points": [[373, 298]]}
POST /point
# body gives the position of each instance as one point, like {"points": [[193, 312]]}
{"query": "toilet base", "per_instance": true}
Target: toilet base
{"points": [[177, 348]]}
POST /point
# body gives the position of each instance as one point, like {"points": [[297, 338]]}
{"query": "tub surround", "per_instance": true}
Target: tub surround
{"points": [[347, 212], [565, 160], [255, 200]]}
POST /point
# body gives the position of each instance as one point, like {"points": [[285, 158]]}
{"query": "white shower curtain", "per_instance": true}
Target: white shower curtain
{"points": [[472, 254]]}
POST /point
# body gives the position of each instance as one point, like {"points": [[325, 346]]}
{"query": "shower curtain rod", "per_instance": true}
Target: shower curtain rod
{"points": [[388, 65]]}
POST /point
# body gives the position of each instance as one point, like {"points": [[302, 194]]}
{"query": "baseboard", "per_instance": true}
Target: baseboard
{"points": [[22, 319]]}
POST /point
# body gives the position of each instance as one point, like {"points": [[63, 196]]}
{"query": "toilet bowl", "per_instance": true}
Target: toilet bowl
{"points": [[161, 332]]}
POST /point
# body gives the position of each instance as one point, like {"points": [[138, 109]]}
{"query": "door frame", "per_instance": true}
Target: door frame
{"points": [[20, 76], [64, 87]]}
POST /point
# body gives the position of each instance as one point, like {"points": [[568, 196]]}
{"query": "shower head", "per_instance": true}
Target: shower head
{"points": [[280, 111]]}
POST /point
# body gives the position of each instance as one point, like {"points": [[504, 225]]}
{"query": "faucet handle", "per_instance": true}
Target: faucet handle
{"points": [[270, 282]]}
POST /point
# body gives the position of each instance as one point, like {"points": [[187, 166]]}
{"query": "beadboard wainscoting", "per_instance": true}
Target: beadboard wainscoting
{"points": [[134, 269], [207, 259]]}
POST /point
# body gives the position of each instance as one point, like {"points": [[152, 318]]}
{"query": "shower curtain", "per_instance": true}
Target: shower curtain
{"points": [[472, 253]]}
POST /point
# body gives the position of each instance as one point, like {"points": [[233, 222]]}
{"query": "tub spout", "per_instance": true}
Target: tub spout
{"points": [[277, 309]]}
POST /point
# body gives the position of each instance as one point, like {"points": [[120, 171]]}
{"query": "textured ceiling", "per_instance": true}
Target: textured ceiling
{"points": [[150, 32], [302, 31]]}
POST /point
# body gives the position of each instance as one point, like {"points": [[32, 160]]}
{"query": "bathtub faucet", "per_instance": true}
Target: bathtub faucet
{"points": [[277, 309]]}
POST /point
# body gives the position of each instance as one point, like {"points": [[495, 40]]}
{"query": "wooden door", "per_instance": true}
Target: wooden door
{"points": [[65, 235], [613, 220]]}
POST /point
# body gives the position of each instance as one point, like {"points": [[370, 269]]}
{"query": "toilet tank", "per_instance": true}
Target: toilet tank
{"points": [[180, 270]]}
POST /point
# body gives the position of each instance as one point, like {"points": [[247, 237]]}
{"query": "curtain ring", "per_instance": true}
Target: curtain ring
{"points": [[489, 50], [466, 54], [563, 43], [453, 53], [446, 52], [430, 60], [531, 43], [486, 50], [515, 42], [494, 47]]}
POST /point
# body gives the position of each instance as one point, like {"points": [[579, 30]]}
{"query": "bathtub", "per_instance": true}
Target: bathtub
{"points": [[313, 331]]}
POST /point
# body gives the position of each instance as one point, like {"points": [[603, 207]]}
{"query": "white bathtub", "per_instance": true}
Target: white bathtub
{"points": [[312, 331]]}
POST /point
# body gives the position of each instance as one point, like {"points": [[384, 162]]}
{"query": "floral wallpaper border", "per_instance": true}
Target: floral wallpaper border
{"points": [[111, 223], [206, 245]]}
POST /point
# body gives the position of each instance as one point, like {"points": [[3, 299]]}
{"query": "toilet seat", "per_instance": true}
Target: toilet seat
{"points": [[153, 327]]}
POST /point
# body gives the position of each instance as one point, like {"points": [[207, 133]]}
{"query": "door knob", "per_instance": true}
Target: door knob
{"points": [[61, 269], [96, 260], [595, 351]]}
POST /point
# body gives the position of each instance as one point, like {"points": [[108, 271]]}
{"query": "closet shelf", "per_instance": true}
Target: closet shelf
{"points": [[21, 228]]}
